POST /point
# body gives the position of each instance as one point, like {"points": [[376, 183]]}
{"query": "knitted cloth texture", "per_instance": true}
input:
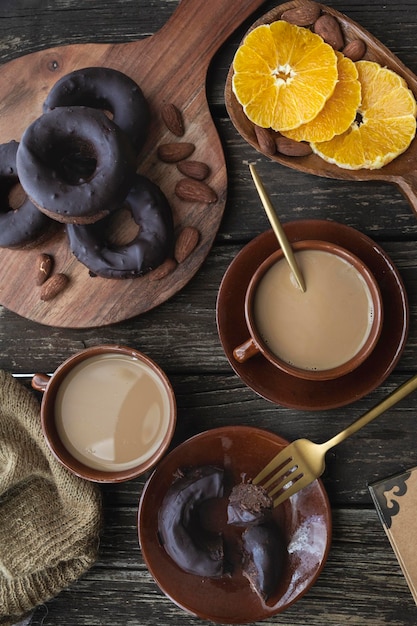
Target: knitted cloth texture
{"points": [[50, 520]]}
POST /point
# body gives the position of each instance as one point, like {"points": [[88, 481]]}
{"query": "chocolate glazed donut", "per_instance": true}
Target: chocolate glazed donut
{"points": [[25, 226], [151, 246], [178, 524], [75, 164], [107, 89]]}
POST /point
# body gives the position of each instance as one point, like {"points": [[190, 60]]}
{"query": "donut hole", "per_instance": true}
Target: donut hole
{"points": [[212, 515], [121, 228], [109, 113], [12, 196], [74, 160], [16, 197]]}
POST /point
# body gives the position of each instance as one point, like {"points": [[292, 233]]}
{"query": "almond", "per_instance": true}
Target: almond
{"points": [[191, 190], [53, 286], [44, 264], [186, 242], [194, 169], [293, 148], [173, 119], [163, 270], [304, 15], [266, 140], [173, 152], [355, 50], [329, 29]]}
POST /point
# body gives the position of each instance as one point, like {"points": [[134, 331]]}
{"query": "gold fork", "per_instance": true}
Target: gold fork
{"points": [[302, 461]]}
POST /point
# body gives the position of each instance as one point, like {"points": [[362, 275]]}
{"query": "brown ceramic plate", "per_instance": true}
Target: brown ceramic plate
{"points": [[304, 520], [280, 387]]}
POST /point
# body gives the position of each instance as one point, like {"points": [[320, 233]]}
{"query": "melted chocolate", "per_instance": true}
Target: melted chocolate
{"points": [[107, 89], [75, 164], [195, 551], [25, 225], [152, 245], [263, 558]]}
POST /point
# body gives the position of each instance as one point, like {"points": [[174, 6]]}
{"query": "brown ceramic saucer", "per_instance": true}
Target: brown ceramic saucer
{"points": [[305, 521], [279, 387]]}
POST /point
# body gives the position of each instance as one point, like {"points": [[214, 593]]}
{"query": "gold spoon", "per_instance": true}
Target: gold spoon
{"points": [[277, 228]]}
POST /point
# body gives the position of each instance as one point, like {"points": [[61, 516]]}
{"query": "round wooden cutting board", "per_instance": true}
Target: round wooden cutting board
{"points": [[170, 66]]}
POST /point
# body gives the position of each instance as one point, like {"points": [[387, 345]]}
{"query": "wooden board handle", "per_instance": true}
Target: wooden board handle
{"points": [[193, 19]]}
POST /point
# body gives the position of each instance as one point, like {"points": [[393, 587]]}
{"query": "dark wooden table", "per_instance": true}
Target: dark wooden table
{"points": [[361, 583]]}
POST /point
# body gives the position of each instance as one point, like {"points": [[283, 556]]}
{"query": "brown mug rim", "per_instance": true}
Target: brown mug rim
{"points": [[370, 343], [53, 440]]}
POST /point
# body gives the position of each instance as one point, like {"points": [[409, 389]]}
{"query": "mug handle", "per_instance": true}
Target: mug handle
{"points": [[40, 381], [246, 350]]}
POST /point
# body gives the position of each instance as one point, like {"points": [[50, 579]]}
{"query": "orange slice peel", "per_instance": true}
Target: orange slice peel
{"points": [[384, 127]]}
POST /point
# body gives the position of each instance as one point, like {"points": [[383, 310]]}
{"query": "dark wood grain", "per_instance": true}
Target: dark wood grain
{"points": [[354, 534], [361, 584]]}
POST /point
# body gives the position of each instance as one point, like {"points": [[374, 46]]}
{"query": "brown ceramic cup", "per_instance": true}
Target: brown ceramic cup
{"points": [[108, 413], [257, 343]]}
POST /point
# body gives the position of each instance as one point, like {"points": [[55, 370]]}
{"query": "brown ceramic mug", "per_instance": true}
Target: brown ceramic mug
{"points": [[321, 334], [108, 413]]}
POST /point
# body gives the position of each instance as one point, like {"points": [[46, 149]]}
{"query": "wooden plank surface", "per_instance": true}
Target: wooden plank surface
{"points": [[361, 584]]}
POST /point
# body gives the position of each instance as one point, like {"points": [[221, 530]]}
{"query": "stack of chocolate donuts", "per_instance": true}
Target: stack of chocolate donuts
{"points": [[78, 167]]}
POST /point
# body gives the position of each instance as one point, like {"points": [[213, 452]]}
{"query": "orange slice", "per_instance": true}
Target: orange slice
{"points": [[340, 109], [283, 75], [385, 125]]}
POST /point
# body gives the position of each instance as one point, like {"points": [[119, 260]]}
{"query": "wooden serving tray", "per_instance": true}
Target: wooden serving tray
{"points": [[400, 172], [170, 66]]}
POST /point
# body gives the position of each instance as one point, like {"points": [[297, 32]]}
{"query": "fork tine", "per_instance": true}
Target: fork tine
{"points": [[279, 462], [284, 470], [289, 471], [299, 483], [278, 482]]}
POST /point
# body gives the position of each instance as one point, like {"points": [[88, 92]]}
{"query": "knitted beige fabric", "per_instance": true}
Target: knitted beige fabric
{"points": [[49, 519]]}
